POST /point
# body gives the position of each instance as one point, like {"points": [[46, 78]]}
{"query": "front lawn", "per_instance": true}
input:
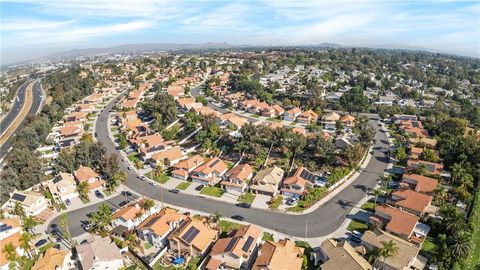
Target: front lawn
{"points": [[267, 236], [255, 115], [212, 191], [227, 226], [275, 202], [183, 185], [369, 206], [247, 198], [429, 246], [357, 225], [296, 208], [162, 178], [273, 119]]}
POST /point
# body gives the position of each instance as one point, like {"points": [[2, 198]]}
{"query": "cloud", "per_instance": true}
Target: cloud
{"points": [[29, 24]]}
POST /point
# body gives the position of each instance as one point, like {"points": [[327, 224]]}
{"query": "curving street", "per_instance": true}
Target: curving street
{"points": [[322, 221]]}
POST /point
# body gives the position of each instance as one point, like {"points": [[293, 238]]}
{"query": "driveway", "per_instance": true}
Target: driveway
{"points": [[261, 201]]}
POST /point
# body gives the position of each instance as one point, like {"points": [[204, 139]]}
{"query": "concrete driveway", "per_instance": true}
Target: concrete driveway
{"points": [[261, 201]]}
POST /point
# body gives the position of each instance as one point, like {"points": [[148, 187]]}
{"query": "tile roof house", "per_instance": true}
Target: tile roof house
{"points": [[63, 187], [430, 167], [131, 215], [348, 121], [206, 111], [237, 177], [394, 221], [210, 172], [10, 234], [75, 117], [33, 203], [329, 120], [193, 237], [411, 201], [267, 181], [156, 228], [419, 183], [427, 142], [70, 132], [236, 251], [281, 255], [413, 128], [99, 253], [307, 117], [297, 184], [86, 174], [340, 255], [184, 167], [232, 119], [168, 157], [54, 259], [406, 257], [292, 114]]}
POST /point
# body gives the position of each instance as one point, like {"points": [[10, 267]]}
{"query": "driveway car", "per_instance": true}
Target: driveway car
{"points": [[199, 187], [238, 217], [40, 243]]}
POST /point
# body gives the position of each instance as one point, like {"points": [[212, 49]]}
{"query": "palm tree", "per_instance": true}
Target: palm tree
{"points": [[377, 192], [11, 253], [373, 256], [460, 244], [25, 243], [157, 172], [64, 225], [389, 249], [147, 204], [82, 189], [215, 218], [137, 163], [386, 179]]}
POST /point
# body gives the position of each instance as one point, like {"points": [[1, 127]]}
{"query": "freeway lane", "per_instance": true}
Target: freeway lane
{"points": [[323, 221], [17, 108]]}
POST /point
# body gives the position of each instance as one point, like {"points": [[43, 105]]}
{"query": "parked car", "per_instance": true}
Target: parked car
{"points": [[243, 205], [123, 203], [356, 236], [126, 193], [291, 201], [153, 183], [199, 187], [40, 243], [68, 202], [238, 217], [98, 194], [174, 190]]}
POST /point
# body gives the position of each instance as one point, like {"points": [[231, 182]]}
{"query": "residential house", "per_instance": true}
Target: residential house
{"points": [[415, 152], [430, 167], [424, 142], [273, 111], [236, 251], [184, 167], [168, 157], [281, 255], [333, 255], [130, 216], [70, 132], [75, 117], [344, 141], [236, 179], [411, 201], [210, 172], [63, 187], [267, 181], [99, 253], [258, 107], [406, 257], [292, 114], [394, 221], [156, 228], [55, 259], [246, 104], [193, 237], [413, 128], [10, 233], [87, 174], [419, 183], [307, 117], [231, 119], [348, 122], [297, 184], [329, 120], [33, 203], [207, 111]]}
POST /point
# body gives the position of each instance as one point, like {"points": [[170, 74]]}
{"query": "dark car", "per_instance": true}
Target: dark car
{"points": [[98, 194], [40, 243], [176, 191], [199, 187], [243, 205], [126, 193], [68, 202], [238, 217], [356, 236], [122, 203]]}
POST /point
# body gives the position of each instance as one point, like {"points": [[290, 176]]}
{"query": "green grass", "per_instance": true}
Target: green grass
{"points": [[228, 226], [267, 236], [212, 191], [183, 185], [473, 259], [255, 115], [193, 262], [274, 119], [296, 208], [133, 156], [247, 198], [369, 206], [147, 245], [357, 226], [429, 246], [44, 248], [162, 178], [275, 203]]}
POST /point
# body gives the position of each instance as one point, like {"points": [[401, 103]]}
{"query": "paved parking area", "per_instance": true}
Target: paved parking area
{"points": [[261, 201]]}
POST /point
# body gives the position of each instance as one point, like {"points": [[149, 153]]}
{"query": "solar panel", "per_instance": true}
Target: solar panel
{"points": [[151, 221], [190, 234], [308, 176], [4, 227], [231, 244], [214, 163], [247, 244], [415, 124], [19, 197]]}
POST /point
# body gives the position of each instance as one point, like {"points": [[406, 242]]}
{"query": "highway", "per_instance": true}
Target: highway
{"points": [[323, 221], [15, 110]]}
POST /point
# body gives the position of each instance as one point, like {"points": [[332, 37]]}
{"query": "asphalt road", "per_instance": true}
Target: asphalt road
{"points": [[15, 110], [323, 221]]}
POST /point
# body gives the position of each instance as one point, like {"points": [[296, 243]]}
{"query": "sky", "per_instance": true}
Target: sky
{"points": [[33, 28]]}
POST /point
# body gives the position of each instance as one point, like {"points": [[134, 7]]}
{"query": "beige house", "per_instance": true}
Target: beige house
{"points": [[193, 237], [55, 259], [33, 203], [335, 255], [267, 181], [86, 174], [63, 187], [281, 255]]}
